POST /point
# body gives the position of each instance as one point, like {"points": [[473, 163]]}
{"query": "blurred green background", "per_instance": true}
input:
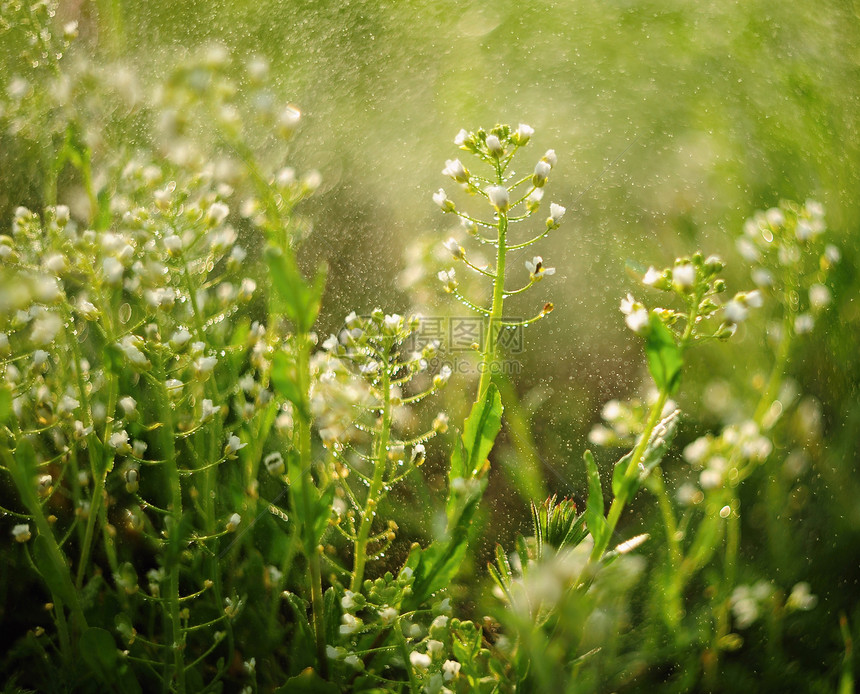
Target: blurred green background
{"points": [[673, 121]]}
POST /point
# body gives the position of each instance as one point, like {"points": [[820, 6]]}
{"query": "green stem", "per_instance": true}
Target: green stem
{"points": [[488, 358], [175, 507], [375, 490], [303, 432]]}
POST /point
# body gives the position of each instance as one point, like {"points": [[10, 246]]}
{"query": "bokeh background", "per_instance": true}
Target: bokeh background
{"points": [[673, 121]]}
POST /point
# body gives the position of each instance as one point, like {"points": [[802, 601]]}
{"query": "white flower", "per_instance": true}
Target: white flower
{"points": [[246, 289], [499, 198], [683, 276], [128, 405], [5, 347], [537, 270], [754, 299], [173, 244], [635, 314], [556, 212], [180, 338], [800, 599], [448, 279], [419, 660], [523, 134], [350, 625], [450, 669], [804, 323], [440, 197], [112, 270], [208, 410], [550, 158], [233, 522], [45, 328], [747, 250], [761, 277], [434, 647], [56, 263], [233, 446], [204, 366], [541, 173], [494, 146], [130, 346], [454, 247], [274, 463], [736, 311], [119, 441], [21, 532], [441, 378], [819, 296], [67, 405], [216, 213], [461, 138], [388, 614], [775, 217], [87, 309], [455, 169], [651, 277], [533, 200]]}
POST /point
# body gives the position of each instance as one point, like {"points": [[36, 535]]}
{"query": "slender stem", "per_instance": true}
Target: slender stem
{"points": [[175, 507], [303, 432], [373, 494], [488, 358]]}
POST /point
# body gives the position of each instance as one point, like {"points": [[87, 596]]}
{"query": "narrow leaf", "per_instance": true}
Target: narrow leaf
{"points": [[664, 356], [594, 517]]}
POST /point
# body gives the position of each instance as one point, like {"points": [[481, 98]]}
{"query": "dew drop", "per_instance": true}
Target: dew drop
{"points": [[125, 313]]}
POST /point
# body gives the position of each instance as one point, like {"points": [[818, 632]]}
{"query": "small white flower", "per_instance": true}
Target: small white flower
{"points": [[450, 669], [541, 173], [556, 212], [550, 158], [533, 200], [804, 323], [735, 311], [775, 217], [45, 328], [233, 522], [388, 614], [354, 661], [635, 315], [819, 296], [119, 441], [441, 378], [651, 277], [499, 197], [801, 598], [216, 213], [461, 138], [112, 270], [87, 310], [274, 463], [455, 169], [447, 277], [204, 366], [350, 625], [440, 197], [761, 277], [208, 410], [434, 647], [453, 246], [173, 244], [494, 146], [754, 299], [56, 263], [683, 276], [5, 347], [246, 289], [21, 532], [537, 270], [233, 446], [67, 405], [523, 134], [419, 660], [128, 405]]}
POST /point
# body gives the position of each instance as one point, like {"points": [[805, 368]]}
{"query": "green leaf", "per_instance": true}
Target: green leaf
{"points": [[594, 517], [618, 473], [99, 653], [286, 382], [5, 402], [665, 359], [309, 682], [298, 299], [54, 570], [479, 433]]}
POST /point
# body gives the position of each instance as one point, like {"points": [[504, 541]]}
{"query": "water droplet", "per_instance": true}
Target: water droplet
{"points": [[125, 313]]}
